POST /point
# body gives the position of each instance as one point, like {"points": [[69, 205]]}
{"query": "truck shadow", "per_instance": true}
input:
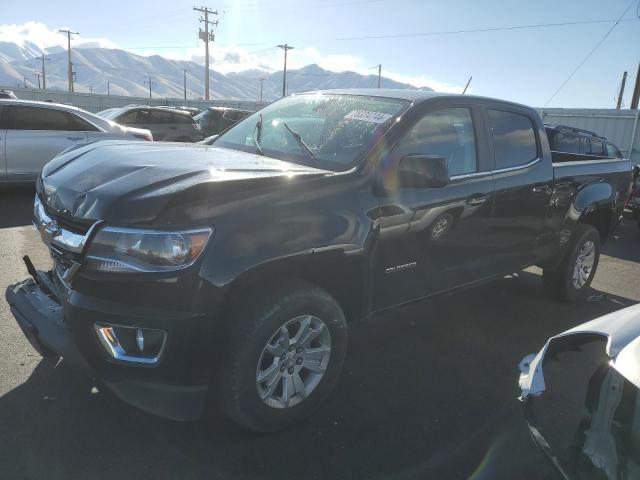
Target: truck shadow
{"points": [[16, 206], [626, 243], [427, 391]]}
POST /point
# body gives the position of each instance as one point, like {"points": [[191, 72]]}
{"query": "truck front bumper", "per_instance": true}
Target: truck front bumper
{"points": [[42, 319]]}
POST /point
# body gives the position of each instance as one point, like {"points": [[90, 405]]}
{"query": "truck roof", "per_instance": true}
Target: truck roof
{"points": [[415, 96]]}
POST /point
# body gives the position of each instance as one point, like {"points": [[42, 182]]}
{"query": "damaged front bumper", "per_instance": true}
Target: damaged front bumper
{"points": [[39, 310]]}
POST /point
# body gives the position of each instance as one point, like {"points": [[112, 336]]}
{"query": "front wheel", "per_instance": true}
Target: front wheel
{"points": [[571, 280], [283, 357]]}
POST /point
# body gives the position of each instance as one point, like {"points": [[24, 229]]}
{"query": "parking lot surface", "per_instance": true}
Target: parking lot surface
{"points": [[428, 391]]}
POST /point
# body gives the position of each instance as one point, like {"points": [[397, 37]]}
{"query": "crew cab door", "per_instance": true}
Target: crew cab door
{"points": [[34, 136], [434, 239], [523, 179]]}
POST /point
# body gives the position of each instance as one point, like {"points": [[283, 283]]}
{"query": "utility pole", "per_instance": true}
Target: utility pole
{"points": [[621, 93], [74, 76], [38, 75], [184, 71], [90, 89], [636, 92], [467, 85], [24, 79], [44, 71], [69, 67], [206, 36], [149, 81], [261, 82], [379, 74], [286, 48], [108, 87]]}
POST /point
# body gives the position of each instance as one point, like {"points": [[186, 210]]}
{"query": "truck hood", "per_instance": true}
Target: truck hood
{"points": [[129, 182]]}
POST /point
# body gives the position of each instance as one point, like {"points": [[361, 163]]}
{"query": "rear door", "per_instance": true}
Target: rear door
{"points": [[523, 179], [35, 135]]}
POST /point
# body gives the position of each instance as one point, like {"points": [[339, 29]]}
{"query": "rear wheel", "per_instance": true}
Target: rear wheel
{"points": [[571, 280], [284, 355]]}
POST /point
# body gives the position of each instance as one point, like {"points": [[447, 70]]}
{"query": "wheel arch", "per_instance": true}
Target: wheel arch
{"points": [[345, 277]]}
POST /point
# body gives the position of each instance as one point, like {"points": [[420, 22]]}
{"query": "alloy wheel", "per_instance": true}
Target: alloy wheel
{"points": [[293, 361]]}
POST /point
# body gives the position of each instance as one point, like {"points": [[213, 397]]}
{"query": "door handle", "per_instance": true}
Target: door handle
{"points": [[476, 200], [74, 138], [541, 189]]}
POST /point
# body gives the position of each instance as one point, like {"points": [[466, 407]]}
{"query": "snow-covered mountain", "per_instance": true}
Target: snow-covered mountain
{"points": [[128, 74]]}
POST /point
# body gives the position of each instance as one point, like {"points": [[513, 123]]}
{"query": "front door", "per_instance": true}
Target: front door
{"points": [[34, 136], [434, 239]]}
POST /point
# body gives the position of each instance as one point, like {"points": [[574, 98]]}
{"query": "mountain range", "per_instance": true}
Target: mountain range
{"points": [[124, 73]]}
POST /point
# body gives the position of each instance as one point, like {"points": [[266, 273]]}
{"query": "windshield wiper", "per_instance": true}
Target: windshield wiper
{"points": [[256, 138], [301, 142]]}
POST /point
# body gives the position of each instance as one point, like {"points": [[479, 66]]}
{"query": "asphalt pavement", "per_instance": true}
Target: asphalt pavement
{"points": [[428, 391]]}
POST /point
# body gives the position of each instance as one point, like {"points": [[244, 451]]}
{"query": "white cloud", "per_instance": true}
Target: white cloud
{"points": [[40, 35], [224, 59]]}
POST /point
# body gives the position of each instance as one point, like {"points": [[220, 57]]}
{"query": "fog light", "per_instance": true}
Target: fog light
{"points": [[132, 344]]}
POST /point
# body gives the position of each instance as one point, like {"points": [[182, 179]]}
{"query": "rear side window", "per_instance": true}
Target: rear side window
{"points": [[566, 142], [597, 148], [185, 119], [37, 118], [514, 139]]}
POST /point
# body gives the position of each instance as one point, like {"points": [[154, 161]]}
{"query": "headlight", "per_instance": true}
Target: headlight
{"points": [[123, 250]]}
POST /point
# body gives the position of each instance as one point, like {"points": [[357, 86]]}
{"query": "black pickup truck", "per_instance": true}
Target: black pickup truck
{"points": [[184, 274]]}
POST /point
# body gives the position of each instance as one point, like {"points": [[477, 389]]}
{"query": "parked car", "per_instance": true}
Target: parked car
{"points": [[568, 143], [7, 94], [165, 124], [209, 140], [215, 120], [634, 200], [32, 133], [193, 111], [235, 270], [581, 398]]}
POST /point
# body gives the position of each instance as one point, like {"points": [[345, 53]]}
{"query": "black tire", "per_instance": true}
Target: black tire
{"points": [[253, 325], [559, 282]]}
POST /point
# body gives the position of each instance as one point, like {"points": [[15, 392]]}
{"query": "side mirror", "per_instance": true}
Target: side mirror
{"points": [[423, 171]]}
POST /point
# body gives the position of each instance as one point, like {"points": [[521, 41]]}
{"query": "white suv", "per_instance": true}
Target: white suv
{"points": [[32, 133]]}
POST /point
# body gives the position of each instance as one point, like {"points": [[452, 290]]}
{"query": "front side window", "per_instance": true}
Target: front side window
{"points": [[567, 143], [327, 131], [445, 133], [514, 139], [37, 118], [597, 148]]}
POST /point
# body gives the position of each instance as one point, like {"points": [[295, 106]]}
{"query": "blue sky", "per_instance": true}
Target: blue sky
{"points": [[525, 65]]}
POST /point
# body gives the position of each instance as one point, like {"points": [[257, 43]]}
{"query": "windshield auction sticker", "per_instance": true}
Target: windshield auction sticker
{"points": [[367, 116]]}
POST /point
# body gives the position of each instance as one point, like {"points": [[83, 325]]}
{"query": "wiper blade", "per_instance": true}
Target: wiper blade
{"points": [[300, 141], [256, 138]]}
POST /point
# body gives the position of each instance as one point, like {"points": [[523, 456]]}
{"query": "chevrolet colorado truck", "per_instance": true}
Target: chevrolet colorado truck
{"points": [[189, 276]]}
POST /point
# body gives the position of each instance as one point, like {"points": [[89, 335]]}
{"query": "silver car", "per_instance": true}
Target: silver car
{"points": [[32, 133]]}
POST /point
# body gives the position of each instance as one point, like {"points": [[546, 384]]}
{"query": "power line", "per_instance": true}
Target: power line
{"points": [[593, 50], [489, 29]]}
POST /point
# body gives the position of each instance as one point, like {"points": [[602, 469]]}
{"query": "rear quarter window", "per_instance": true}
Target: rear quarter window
{"points": [[514, 138]]}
